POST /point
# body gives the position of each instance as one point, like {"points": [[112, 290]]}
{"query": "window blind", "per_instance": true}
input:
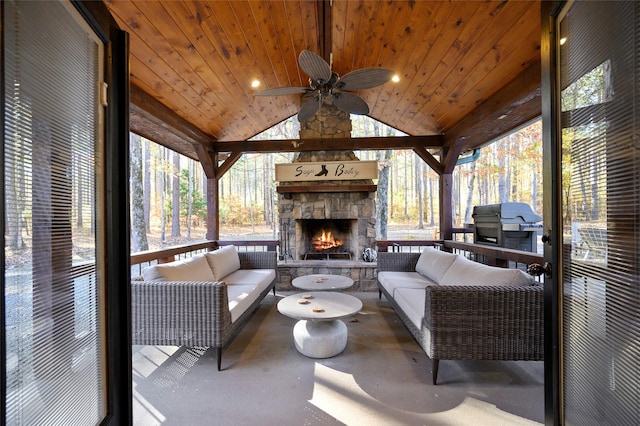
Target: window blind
{"points": [[599, 79], [53, 235]]}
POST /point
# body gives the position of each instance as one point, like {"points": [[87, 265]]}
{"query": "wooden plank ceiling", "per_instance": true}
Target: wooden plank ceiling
{"points": [[462, 64]]}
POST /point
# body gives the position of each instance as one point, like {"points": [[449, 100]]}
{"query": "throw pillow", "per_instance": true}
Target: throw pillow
{"points": [[433, 263], [467, 272], [195, 268], [223, 261]]}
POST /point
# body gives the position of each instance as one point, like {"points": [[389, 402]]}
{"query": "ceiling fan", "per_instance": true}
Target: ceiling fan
{"points": [[325, 83]]}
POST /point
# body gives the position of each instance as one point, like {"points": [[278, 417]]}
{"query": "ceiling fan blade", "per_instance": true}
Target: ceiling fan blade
{"points": [[277, 91], [365, 78], [348, 102], [308, 109], [314, 66]]}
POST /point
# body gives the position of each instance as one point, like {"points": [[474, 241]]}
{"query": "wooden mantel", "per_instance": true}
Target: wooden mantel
{"points": [[284, 189]]}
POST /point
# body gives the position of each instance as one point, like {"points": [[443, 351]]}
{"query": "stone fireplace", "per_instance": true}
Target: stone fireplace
{"points": [[343, 208]]}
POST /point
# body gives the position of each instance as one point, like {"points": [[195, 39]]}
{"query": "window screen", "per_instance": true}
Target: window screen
{"points": [[52, 187]]}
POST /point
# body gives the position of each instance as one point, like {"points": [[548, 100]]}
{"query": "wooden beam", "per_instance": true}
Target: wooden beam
{"points": [[207, 160], [153, 120], [429, 159], [516, 103], [283, 189], [335, 144], [213, 209], [446, 209], [325, 29], [228, 163], [453, 152]]}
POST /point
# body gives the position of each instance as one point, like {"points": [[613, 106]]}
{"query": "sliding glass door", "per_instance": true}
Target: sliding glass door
{"points": [[597, 284], [54, 231]]}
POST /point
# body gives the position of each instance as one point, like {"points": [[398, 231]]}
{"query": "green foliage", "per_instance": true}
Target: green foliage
{"points": [[198, 203]]}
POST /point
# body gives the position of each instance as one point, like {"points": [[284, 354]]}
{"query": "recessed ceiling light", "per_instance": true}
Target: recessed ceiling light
{"points": [[563, 40], [255, 83], [395, 78]]}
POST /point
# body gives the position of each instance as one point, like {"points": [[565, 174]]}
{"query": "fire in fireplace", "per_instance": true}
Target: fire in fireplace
{"points": [[327, 238], [324, 240]]}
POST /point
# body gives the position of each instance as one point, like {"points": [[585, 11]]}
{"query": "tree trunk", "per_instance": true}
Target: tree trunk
{"points": [[432, 217], [138, 226], [248, 186], [190, 185], [502, 178], [163, 190], [406, 189], [383, 191], [419, 178], [14, 196], [595, 198], [79, 189], [175, 196], [147, 185], [467, 212]]}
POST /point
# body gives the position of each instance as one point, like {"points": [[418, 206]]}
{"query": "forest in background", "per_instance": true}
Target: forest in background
{"points": [[168, 205]]}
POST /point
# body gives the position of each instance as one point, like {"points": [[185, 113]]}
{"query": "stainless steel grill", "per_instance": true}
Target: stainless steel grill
{"points": [[508, 225]]}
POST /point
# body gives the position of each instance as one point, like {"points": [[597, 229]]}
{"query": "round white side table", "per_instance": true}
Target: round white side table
{"points": [[316, 282]]}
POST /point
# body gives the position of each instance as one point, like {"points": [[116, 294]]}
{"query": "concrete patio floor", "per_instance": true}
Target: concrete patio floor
{"points": [[382, 378]]}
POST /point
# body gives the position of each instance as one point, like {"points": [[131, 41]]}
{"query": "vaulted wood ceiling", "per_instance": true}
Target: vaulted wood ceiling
{"points": [[467, 68]]}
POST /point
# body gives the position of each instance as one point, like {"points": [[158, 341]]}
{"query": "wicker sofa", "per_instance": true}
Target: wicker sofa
{"points": [[458, 309], [203, 301]]}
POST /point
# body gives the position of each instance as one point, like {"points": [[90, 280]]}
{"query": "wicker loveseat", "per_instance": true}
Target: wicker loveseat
{"points": [[203, 301], [458, 309]]}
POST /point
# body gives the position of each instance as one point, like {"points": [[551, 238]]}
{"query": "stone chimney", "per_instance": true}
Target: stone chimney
{"points": [[339, 203]]}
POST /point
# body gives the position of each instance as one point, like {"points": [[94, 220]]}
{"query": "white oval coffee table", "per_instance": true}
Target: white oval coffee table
{"points": [[322, 282], [320, 334]]}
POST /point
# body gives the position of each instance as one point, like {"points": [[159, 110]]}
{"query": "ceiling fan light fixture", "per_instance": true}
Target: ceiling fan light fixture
{"points": [[325, 83]]}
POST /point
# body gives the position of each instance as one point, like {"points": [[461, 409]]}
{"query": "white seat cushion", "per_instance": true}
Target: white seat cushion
{"points": [[223, 261], [467, 272], [392, 280], [258, 277], [412, 303], [241, 296], [434, 263], [195, 268]]}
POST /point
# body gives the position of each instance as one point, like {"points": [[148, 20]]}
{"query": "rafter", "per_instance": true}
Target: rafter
{"points": [[335, 144]]}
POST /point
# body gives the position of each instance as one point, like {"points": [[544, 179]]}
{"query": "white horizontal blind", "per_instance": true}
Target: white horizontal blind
{"points": [[52, 190], [600, 82]]}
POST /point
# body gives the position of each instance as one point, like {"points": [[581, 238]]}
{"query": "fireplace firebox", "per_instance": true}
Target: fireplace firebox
{"points": [[327, 238]]}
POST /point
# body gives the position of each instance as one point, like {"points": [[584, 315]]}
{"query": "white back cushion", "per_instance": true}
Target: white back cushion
{"points": [[196, 268], [467, 272], [223, 261], [434, 263]]}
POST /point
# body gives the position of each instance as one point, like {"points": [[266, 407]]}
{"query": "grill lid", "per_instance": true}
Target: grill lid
{"points": [[505, 212]]}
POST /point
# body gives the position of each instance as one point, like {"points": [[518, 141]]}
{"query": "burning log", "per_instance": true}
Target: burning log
{"points": [[325, 240]]}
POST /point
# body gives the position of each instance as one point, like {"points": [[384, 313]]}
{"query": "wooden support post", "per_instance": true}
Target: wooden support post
{"points": [[446, 221]]}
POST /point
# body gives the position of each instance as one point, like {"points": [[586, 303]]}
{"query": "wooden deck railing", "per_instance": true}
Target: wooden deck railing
{"points": [[495, 256], [141, 260]]}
